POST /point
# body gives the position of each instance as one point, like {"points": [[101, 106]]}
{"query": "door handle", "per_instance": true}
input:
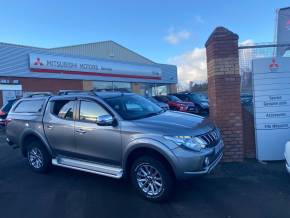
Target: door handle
{"points": [[49, 126], [80, 131]]}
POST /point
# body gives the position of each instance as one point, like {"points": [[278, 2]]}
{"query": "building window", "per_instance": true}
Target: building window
{"points": [[102, 86], [160, 90], [122, 86], [112, 86], [146, 89]]}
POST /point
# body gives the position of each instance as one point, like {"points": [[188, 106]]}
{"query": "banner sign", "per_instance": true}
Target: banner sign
{"points": [[283, 29], [271, 89], [44, 63]]}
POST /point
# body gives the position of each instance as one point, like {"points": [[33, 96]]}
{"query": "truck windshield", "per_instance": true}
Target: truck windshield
{"points": [[133, 107]]}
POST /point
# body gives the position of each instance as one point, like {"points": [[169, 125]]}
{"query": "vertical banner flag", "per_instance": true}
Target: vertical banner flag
{"points": [[283, 30]]}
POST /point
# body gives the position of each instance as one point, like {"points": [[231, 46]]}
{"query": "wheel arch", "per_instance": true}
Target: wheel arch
{"points": [[143, 150], [29, 136]]}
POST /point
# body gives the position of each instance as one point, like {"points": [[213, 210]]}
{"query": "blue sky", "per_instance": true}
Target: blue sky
{"points": [[158, 29]]}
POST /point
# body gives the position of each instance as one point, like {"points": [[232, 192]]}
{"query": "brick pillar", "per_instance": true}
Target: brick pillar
{"points": [[224, 90]]}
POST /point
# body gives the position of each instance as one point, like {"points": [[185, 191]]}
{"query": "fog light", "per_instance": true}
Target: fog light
{"points": [[206, 161]]}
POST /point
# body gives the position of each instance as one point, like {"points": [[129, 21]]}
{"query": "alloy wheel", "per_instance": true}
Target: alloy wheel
{"points": [[35, 158], [149, 179]]}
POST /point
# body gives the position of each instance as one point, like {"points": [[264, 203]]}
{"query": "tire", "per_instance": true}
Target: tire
{"points": [[38, 158], [159, 180]]}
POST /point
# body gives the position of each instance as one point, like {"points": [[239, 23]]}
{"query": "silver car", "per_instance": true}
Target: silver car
{"points": [[116, 135]]}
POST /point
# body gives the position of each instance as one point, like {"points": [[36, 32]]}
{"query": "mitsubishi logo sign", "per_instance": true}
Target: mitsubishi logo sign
{"points": [[38, 62], [273, 66], [45, 63]]}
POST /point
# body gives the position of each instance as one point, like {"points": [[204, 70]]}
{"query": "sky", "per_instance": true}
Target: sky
{"points": [[165, 31]]}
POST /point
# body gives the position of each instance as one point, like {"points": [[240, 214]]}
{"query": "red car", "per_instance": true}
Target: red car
{"points": [[176, 104]]}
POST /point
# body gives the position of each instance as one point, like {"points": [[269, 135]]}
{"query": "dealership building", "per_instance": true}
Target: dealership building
{"points": [[103, 66]]}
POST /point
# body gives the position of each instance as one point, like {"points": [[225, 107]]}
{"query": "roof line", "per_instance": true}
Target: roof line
{"points": [[18, 45], [133, 51], [90, 43], [27, 46], [284, 8]]}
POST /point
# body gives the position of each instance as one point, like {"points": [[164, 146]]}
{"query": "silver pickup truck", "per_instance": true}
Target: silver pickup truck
{"points": [[115, 134]]}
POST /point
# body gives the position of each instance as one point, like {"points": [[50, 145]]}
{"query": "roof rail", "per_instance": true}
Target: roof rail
{"points": [[71, 92], [39, 94], [93, 92]]}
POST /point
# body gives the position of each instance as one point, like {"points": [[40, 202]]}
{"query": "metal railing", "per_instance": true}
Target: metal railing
{"points": [[251, 51]]}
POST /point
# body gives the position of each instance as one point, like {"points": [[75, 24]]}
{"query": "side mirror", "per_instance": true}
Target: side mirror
{"points": [[105, 120]]}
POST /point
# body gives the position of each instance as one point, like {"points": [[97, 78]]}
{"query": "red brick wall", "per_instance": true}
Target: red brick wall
{"points": [[44, 85], [53, 85], [224, 90]]}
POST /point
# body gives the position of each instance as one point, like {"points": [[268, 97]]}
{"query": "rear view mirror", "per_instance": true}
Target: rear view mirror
{"points": [[105, 120]]}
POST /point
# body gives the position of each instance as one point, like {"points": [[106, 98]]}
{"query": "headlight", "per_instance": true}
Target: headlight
{"points": [[189, 142]]}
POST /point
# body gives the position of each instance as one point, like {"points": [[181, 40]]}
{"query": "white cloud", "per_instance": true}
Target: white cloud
{"points": [[174, 37], [198, 19], [191, 66], [247, 42]]}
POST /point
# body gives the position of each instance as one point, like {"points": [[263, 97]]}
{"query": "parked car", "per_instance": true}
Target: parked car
{"points": [[4, 111], [161, 104], [199, 99], [115, 135], [246, 99], [287, 156], [176, 104]]}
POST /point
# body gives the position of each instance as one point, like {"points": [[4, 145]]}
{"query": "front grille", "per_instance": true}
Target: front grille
{"points": [[211, 138]]}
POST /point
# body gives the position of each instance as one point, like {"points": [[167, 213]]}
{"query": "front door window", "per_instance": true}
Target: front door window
{"points": [[89, 111]]}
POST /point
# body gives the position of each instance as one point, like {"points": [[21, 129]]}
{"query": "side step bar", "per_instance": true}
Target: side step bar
{"points": [[89, 167]]}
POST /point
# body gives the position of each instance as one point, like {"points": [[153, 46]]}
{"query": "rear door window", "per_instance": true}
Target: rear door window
{"points": [[29, 106], [64, 109]]}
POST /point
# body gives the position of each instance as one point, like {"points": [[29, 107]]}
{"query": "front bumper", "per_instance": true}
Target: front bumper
{"points": [[207, 169], [192, 163]]}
